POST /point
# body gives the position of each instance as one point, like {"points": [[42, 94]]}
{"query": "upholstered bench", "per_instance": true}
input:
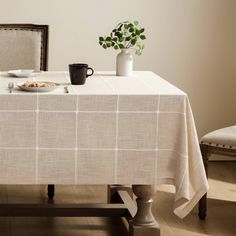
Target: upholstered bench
{"points": [[222, 142]]}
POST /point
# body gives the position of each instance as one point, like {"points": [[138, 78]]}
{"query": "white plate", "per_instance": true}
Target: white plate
{"points": [[22, 73], [36, 89]]}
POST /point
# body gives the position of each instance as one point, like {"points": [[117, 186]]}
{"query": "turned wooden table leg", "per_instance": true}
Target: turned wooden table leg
{"points": [[144, 223], [51, 191]]}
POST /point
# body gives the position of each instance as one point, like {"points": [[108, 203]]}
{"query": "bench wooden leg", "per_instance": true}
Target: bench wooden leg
{"points": [[144, 222]]}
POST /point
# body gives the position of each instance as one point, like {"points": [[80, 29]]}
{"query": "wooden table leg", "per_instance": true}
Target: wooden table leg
{"points": [[51, 191], [202, 208], [144, 223]]}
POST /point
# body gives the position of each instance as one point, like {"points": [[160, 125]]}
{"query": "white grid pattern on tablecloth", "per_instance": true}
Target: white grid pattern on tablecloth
{"points": [[76, 127], [117, 126], [37, 139], [158, 110]]}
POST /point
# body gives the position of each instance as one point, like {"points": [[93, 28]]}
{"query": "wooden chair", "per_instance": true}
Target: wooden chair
{"points": [[221, 142], [24, 46]]}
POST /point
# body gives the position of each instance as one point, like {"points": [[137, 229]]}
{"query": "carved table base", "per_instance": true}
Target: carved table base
{"points": [[139, 216], [144, 222], [141, 220]]}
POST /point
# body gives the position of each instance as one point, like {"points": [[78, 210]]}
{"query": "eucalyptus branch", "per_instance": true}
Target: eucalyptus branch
{"points": [[126, 34]]}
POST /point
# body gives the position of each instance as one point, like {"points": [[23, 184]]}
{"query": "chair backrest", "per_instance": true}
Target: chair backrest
{"points": [[23, 46]]}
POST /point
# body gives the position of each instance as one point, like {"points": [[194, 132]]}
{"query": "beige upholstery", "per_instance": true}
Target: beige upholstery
{"points": [[225, 137], [22, 47]]}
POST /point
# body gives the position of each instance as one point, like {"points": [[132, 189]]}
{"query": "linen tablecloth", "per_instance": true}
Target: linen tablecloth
{"points": [[112, 130]]}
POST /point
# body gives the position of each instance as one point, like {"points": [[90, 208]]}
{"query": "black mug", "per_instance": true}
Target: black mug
{"points": [[79, 73]]}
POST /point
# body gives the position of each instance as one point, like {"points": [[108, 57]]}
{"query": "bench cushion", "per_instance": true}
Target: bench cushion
{"points": [[225, 137]]}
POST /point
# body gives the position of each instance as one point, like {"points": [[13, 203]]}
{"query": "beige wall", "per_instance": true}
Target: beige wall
{"points": [[191, 43]]}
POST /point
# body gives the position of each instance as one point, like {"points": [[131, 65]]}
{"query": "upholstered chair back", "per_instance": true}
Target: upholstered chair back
{"points": [[23, 46]]}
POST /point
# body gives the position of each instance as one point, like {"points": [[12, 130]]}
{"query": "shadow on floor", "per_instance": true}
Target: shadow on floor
{"points": [[220, 220], [223, 170]]}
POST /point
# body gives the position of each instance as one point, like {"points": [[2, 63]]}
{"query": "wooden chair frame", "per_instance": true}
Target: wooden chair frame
{"points": [[44, 29]]}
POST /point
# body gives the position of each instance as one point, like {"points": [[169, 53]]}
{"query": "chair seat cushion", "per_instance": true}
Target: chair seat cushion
{"points": [[225, 137]]}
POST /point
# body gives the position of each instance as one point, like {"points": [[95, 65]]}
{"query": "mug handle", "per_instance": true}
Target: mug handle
{"points": [[92, 71]]}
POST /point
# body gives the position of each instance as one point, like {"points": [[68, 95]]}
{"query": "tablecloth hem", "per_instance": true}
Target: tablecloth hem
{"points": [[182, 211]]}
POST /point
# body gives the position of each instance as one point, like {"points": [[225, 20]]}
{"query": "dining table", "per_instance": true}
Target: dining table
{"points": [[129, 133]]}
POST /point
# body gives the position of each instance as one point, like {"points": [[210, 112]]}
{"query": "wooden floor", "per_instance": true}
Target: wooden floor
{"points": [[221, 215]]}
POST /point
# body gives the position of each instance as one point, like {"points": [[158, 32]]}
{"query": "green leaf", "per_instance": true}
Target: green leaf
{"points": [[136, 22], [112, 44], [126, 26], [137, 32], [108, 38], [117, 34], [131, 30], [100, 42], [120, 27], [133, 41], [130, 25], [115, 39], [142, 37], [101, 39], [127, 38], [116, 47], [104, 46], [125, 33], [121, 46], [141, 31], [121, 39]]}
